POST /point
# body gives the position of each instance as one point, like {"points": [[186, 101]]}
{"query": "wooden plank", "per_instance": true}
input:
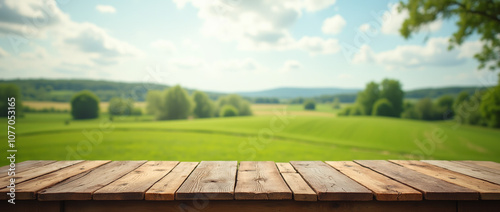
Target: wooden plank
{"points": [[27, 190], [487, 164], [165, 188], [432, 188], [26, 165], [467, 170], [260, 180], [484, 165], [300, 189], [263, 206], [384, 188], [487, 190], [330, 184], [37, 171], [82, 186], [285, 168], [212, 180], [133, 185]]}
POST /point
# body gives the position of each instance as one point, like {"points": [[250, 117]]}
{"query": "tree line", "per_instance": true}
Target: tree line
{"points": [[386, 99]]}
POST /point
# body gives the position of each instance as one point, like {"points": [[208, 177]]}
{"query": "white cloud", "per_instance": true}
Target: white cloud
{"points": [[164, 45], [317, 45], [105, 9], [3, 53], [333, 25], [433, 53], [315, 5], [290, 65], [393, 19], [365, 27], [29, 18], [76, 46], [256, 25]]}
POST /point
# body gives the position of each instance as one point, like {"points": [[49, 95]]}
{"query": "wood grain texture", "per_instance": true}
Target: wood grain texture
{"points": [[432, 188], [285, 168], [262, 206], [211, 180], [165, 188], [82, 186], [25, 166], [487, 164], [467, 170], [133, 185], [487, 190], [27, 190], [260, 180], [37, 171], [330, 184], [384, 188], [300, 189], [484, 165]]}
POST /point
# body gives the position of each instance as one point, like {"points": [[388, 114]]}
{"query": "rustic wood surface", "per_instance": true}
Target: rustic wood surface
{"points": [[211, 180], [467, 170], [487, 190], [82, 186], [384, 188], [28, 189], [255, 186], [489, 165], [165, 188], [260, 180], [432, 188], [37, 171], [26, 165], [330, 184], [133, 185]]}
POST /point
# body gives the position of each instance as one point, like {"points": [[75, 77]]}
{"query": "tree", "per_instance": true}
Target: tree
{"points": [[9, 91], [175, 105], [391, 90], [473, 17], [243, 106], [120, 106], [490, 107], [85, 105], [409, 111], [336, 103], [203, 106], [383, 108], [445, 106], [228, 111], [367, 98], [309, 105], [153, 102], [461, 98], [425, 109]]}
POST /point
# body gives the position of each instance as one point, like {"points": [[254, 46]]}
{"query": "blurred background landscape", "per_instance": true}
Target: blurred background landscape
{"points": [[251, 80]]}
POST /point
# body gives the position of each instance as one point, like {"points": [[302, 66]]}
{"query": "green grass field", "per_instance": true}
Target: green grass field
{"points": [[261, 137]]}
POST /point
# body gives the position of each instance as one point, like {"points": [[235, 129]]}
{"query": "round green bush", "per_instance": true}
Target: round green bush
{"points": [[228, 111], [85, 105], [310, 105], [383, 107]]}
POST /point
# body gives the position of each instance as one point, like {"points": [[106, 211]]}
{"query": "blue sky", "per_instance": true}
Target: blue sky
{"points": [[230, 45]]}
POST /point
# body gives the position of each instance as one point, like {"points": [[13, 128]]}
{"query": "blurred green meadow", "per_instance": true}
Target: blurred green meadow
{"points": [[275, 132]]}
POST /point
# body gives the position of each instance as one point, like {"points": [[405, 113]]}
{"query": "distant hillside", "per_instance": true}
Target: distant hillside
{"points": [[63, 90], [412, 94], [288, 93]]}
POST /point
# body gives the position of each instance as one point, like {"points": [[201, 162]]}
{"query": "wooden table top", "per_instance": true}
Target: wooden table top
{"points": [[360, 180]]}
